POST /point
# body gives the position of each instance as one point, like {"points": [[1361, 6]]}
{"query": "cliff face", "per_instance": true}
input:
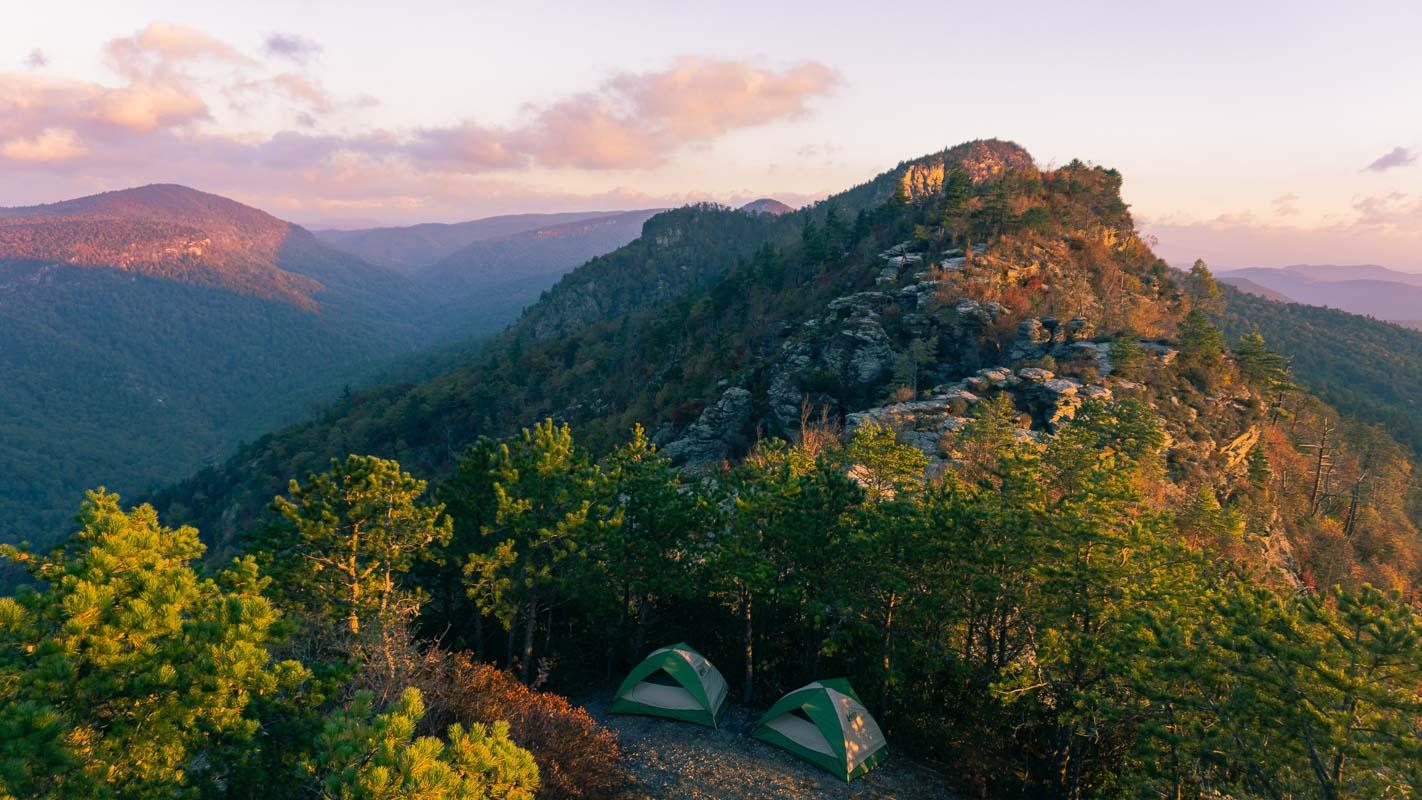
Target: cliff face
{"points": [[982, 160]]}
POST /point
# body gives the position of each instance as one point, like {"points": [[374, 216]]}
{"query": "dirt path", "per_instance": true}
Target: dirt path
{"points": [[679, 761]]}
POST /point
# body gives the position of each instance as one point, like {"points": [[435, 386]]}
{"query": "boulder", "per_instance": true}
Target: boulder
{"points": [[921, 423], [723, 430], [1077, 329], [861, 353], [1035, 374]]}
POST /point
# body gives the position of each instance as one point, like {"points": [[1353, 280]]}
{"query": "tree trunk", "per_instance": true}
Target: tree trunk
{"points": [[509, 645], [750, 649], [888, 659], [640, 643], [1315, 498], [530, 625], [479, 634]]}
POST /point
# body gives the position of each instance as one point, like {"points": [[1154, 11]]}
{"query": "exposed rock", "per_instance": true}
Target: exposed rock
{"points": [[1033, 340], [990, 378], [1051, 400], [861, 354], [1161, 352], [921, 423], [1093, 354], [1035, 374], [722, 431], [1238, 450], [1077, 329], [1100, 393], [919, 295], [783, 393]]}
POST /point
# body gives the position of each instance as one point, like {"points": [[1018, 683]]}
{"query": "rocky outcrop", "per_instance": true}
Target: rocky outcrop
{"points": [[845, 350], [921, 423], [1238, 450], [723, 430], [1069, 342]]}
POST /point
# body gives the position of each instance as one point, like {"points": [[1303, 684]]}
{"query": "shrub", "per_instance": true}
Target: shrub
{"points": [[577, 757]]}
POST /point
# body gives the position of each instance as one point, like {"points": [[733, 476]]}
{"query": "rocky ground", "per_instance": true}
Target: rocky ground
{"points": [[678, 761]]}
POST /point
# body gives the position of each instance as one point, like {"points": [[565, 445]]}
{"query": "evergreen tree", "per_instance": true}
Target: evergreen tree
{"points": [[123, 673], [366, 756], [549, 509], [1202, 289], [653, 554], [1201, 348], [880, 464], [346, 538], [1301, 696]]}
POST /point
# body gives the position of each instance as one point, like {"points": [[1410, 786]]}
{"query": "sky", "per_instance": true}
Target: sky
{"points": [[1248, 133]]}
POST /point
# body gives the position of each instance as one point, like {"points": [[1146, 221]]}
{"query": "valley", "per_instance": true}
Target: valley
{"points": [[148, 332]]}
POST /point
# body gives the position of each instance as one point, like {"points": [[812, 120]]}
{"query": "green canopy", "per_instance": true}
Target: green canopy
{"points": [[826, 724], [675, 682]]}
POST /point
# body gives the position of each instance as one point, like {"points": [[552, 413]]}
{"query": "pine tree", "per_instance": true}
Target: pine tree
{"points": [[366, 756], [123, 673], [550, 507], [654, 553], [1202, 290], [347, 537]]}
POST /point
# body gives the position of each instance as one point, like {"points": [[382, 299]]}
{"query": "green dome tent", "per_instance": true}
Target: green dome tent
{"points": [[826, 724], [675, 682]]}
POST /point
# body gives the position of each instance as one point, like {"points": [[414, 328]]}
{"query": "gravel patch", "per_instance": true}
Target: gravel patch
{"points": [[672, 760]]}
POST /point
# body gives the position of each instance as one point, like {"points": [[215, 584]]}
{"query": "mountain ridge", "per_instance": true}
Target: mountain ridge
{"points": [[409, 248], [1367, 289]]}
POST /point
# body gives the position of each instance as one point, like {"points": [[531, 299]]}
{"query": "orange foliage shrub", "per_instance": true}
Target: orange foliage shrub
{"points": [[577, 757]]}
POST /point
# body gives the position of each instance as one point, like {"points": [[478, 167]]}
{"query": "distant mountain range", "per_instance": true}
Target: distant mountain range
{"points": [[148, 331], [1366, 289], [410, 248]]}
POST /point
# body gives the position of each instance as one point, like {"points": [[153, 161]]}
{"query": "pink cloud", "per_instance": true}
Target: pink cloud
{"points": [[159, 122], [49, 146], [158, 51], [1383, 229], [304, 92], [636, 120]]}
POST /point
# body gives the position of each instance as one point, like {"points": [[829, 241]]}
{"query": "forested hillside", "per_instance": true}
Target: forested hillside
{"points": [[145, 333], [956, 434], [131, 381], [1368, 369], [482, 287]]}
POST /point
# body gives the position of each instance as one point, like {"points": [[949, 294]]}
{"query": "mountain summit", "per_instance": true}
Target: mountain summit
{"points": [[766, 205], [166, 231]]}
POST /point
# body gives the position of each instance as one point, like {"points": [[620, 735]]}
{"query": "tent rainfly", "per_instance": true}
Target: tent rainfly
{"points": [[826, 724], [675, 682]]}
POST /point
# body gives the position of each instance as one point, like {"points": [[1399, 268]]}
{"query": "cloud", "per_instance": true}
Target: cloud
{"points": [[634, 120], [36, 59], [1381, 229], [1284, 205], [168, 117], [1396, 157], [291, 46], [303, 92], [51, 145], [1390, 211], [158, 52]]}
